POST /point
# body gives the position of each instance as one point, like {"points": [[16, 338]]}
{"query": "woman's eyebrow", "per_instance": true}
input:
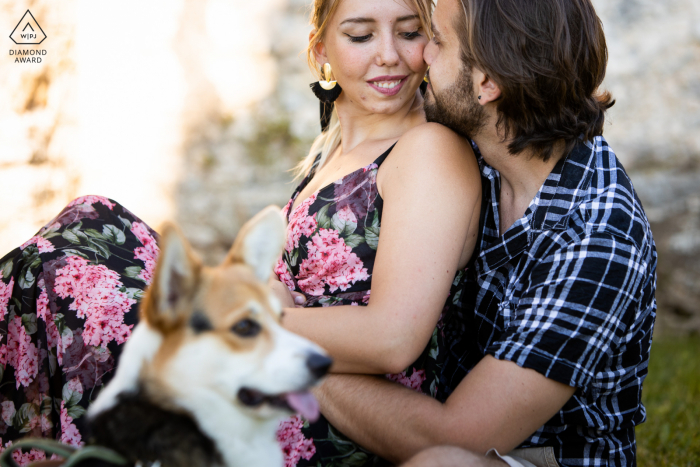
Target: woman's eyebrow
{"points": [[360, 20]]}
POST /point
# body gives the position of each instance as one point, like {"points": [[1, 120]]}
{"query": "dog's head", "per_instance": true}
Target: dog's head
{"points": [[220, 327]]}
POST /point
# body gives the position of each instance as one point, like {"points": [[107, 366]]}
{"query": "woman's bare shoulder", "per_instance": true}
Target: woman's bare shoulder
{"points": [[431, 149]]}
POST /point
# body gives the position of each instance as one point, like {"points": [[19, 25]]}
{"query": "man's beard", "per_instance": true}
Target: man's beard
{"points": [[457, 107]]}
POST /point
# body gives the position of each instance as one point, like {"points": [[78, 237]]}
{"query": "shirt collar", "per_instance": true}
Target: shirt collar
{"points": [[563, 190], [561, 194]]}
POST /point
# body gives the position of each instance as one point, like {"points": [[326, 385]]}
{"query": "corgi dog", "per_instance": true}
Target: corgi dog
{"points": [[209, 372]]}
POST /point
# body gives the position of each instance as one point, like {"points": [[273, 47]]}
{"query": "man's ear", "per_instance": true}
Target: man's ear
{"points": [[174, 281], [487, 88], [259, 243]]}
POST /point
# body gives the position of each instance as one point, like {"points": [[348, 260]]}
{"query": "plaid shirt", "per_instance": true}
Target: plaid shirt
{"points": [[567, 291]]}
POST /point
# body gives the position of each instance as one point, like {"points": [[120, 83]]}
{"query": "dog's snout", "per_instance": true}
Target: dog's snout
{"points": [[318, 364]]}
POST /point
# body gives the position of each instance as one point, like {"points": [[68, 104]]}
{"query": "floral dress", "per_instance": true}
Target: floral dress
{"points": [[68, 300], [332, 239]]}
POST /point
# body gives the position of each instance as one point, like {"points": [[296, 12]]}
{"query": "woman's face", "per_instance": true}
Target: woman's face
{"points": [[376, 50]]}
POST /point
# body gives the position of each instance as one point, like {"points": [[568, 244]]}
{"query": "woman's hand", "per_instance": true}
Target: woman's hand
{"points": [[288, 298]]}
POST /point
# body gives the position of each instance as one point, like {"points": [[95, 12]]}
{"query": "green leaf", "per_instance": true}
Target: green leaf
{"points": [[126, 222], [6, 268], [372, 237], [70, 396], [322, 217], [357, 459], [60, 322], [102, 249], [375, 221], [353, 240], [53, 363], [76, 411], [113, 234], [29, 323], [50, 234], [22, 417], [94, 234], [80, 234], [340, 442], [72, 252], [133, 271], [71, 237], [343, 226], [26, 280], [133, 292], [293, 259]]}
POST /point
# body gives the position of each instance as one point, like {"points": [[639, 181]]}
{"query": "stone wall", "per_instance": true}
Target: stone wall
{"points": [[199, 116], [654, 73]]}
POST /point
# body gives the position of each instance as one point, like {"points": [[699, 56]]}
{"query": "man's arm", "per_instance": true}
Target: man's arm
{"points": [[497, 405]]}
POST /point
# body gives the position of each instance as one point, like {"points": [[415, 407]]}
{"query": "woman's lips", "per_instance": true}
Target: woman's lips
{"points": [[388, 85]]}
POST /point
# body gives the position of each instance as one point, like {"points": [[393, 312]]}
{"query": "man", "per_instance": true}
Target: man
{"points": [[550, 355]]}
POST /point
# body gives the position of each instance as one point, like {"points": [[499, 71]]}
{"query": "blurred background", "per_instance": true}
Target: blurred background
{"points": [[195, 110]]}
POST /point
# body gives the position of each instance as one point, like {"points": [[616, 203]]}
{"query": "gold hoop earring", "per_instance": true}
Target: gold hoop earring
{"points": [[325, 81]]}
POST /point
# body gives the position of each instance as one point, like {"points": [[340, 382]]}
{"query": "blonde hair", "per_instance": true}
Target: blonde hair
{"points": [[328, 141]]}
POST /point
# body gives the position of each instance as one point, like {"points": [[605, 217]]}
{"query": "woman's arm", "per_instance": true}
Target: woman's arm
{"points": [[431, 188]]}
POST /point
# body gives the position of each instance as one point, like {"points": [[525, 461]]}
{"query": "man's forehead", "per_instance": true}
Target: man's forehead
{"points": [[445, 12]]}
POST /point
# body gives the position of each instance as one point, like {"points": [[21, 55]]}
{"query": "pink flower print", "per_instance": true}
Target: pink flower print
{"points": [[293, 443], [285, 210], [414, 382], [330, 261], [5, 294], [69, 432], [42, 244], [91, 199], [300, 223], [148, 253], [283, 273], [96, 298], [74, 386], [8, 412], [3, 355], [365, 299], [53, 338], [24, 458], [22, 354]]}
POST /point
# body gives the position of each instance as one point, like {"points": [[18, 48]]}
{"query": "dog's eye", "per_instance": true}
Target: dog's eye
{"points": [[246, 328]]}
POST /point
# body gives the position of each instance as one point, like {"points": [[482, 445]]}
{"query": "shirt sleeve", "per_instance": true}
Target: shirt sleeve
{"points": [[577, 304]]}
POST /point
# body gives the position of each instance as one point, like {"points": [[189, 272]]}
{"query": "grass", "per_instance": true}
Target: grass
{"points": [[671, 394]]}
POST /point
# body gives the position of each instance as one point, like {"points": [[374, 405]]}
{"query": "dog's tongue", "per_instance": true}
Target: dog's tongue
{"points": [[304, 403]]}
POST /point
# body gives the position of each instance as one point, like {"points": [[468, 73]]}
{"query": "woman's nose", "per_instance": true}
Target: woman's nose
{"points": [[387, 54]]}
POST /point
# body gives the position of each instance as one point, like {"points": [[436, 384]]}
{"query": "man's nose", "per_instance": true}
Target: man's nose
{"points": [[429, 52]]}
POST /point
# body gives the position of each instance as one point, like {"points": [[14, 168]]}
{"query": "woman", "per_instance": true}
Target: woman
{"points": [[379, 167], [69, 294]]}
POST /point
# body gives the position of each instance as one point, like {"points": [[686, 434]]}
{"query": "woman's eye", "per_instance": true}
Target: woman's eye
{"points": [[359, 38], [411, 35], [435, 41], [246, 328]]}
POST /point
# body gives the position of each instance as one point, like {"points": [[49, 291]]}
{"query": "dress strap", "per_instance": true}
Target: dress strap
{"points": [[384, 155]]}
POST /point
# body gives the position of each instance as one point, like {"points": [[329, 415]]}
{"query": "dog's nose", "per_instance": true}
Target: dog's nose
{"points": [[318, 364]]}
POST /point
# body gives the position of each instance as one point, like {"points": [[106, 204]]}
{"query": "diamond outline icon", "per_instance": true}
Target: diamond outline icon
{"points": [[29, 22]]}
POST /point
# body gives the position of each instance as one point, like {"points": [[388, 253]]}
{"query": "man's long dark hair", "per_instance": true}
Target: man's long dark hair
{"points": [[548, 58]]}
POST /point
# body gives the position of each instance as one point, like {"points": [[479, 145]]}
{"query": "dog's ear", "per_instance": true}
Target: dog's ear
{"points": [[175, 280], [259, 243]]}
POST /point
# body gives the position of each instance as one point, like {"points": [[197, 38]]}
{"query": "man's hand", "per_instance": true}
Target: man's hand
{"points": [[497, 405]]}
